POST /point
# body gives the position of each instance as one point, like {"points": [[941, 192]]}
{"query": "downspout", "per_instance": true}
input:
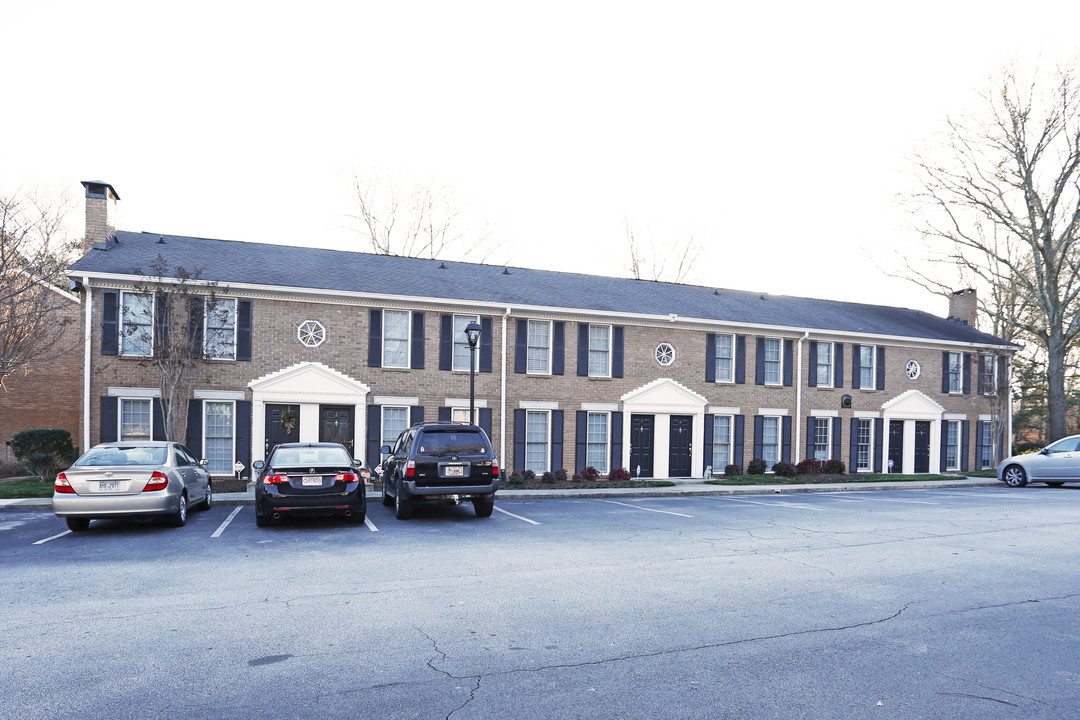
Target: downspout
{"points": [[502, 397], [86, 364], [798, 404]]}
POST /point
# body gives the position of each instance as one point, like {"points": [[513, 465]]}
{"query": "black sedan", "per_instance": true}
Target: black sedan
{"points": [[309, 479]]}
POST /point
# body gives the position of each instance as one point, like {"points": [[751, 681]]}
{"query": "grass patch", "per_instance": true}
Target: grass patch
{"points": [[538, 484], [25, 488], [983, 474], [824, 479]]}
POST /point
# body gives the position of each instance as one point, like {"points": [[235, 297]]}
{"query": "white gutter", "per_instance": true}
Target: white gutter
{"points": [[86, 365], [798, 405], [502, 398]]}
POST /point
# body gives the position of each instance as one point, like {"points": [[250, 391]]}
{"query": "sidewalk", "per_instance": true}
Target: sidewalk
{"points": [[683, 486]]}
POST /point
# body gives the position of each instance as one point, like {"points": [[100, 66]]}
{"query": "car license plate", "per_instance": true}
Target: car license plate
{"points": [[108, 486], [312, 480], [455, 471]]}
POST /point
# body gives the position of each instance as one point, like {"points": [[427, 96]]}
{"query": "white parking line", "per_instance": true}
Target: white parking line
{"points": [[772, 504], [906, 502], [370, 525], [504, 512], [66, 532], [638, 507], [221, 528]]}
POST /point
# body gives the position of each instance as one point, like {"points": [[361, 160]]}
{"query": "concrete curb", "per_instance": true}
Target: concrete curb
{"points": [[683, 488]]}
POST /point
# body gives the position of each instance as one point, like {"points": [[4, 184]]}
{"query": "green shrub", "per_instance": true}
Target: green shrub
{"points": [[834, 467], [43, 452], [560, 475], [516, 478], [732, 471], [809, 466], [547, 477], [756, 467], [784, 469], [528, 475]]}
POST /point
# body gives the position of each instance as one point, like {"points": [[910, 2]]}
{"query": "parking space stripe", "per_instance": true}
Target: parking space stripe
{"points": [[40, 542], [504, 512], [370, 525], [638, 507], [222, 526], [906, 502], [794, 506]]}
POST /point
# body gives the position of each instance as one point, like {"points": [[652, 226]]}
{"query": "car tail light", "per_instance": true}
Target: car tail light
{"points": [[275, 479], [410, 469], [158, 481], [62, 485], [346, 477], [494, 469]]}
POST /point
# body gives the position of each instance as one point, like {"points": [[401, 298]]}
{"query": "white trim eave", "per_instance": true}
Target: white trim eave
{"points": [[548, 311]]}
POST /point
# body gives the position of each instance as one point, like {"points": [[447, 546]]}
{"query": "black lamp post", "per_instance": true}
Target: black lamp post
{"points": [[472, 333]]}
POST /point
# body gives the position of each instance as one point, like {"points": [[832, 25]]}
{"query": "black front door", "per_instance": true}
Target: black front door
{"points": [[336, 425], [277, 431], [896, 446], [679, 449], [922, 446], [641, 445]]}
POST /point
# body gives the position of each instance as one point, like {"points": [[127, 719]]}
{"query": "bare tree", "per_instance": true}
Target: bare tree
{"points": [[1002, 207], [33, 257], [670, 263], [423, 221]]}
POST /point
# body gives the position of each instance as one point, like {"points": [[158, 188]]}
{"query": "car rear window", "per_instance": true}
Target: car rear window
{"points": [[125, 455], [451, 442], [290, 457]]}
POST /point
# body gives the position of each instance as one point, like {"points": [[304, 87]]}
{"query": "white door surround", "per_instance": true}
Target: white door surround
{"points": [[663, 398], [909, 407]]}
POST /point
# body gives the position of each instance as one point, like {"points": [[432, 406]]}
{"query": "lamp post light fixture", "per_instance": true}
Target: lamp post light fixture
{"points": [[472, 334]]}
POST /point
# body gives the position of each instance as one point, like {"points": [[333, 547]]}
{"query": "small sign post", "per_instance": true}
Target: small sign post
{"points": [[238, 467]]}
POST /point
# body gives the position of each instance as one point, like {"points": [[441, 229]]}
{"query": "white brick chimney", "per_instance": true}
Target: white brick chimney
{"points": [[964, 306], [100, 212]]}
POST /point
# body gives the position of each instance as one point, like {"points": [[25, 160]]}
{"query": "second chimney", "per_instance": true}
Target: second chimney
{"points": [[100, 213], [964, 306]]}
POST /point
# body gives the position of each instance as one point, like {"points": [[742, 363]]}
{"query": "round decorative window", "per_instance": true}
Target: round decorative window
{"points": [[665, 354], [913, 369], [311, 333]]}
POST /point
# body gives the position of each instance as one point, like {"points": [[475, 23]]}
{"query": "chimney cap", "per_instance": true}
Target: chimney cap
{"points": [[96, 188]]}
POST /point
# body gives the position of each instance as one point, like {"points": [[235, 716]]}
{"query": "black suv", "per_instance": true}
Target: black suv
{"points": [[440, 462]]}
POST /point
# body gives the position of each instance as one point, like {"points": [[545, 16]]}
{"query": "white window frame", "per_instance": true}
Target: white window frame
{"points": [[869, 446], [232, 438], [779, 440], [730, 378], [120, 419], [408, 338], [126, 337], [871, 382], [730, 442], [461, 415], [382, 424], [952, 444], [606, 352], [605, 467], [986, 446], [460, 339], [958, 373], [827, 422], [547, 442], [989, 379], [529, 346], [779, 361], [829, 366], [231, 347]]}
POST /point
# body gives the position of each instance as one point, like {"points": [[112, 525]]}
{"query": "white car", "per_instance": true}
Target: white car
{"points": [[1055, 465]]}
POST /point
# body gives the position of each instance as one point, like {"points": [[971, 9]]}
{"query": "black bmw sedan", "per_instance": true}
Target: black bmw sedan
{"points": [[309, 479]]}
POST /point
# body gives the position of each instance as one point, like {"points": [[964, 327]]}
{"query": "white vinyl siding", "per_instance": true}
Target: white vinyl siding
{"points": [[599, 351], [218, 431], [219, 336], [773, 360], [537, 441], [135, 419], [395, 339], [596, 452], [137, 325], [539, 347], [725, 359], [461, 342], [722, 430]]}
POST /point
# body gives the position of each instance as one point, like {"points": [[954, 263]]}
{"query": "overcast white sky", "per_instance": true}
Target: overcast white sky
{"points": [[780, 133]]}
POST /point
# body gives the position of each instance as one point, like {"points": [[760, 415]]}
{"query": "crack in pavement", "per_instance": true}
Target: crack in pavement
{"points": [[969, 681], [442, 655]]}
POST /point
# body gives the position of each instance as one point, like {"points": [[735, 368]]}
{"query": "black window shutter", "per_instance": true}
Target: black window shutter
{"points": [[944, 446], [445, 414], [582, 439], [879, 443], [196, 308], [374, 434], [446, 341], [944, 371], [838, 371], [967, 373], [110, 323], [519, 435], [556, 439], [881, 368], [243, 331], [583, 349], [856, 366], [789, 361], [617, 341], [243, 433], [193, 437], [759, 362], [416, 414], [110, 408], [837, 436], [616, 439], [158, 431], [485, 422], [811, 375], [785, 450], [161, 324], [374, 350], [740, 359], [710, 421], [737, 456], [853, 442], [558, 349], [710, 357], [964, 446], [759, 430], [417, 359], [811, 425], [486, 343], [521, 350]]}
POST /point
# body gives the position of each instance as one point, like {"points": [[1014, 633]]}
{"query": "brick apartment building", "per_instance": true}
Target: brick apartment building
{"points": [[663, 379]]}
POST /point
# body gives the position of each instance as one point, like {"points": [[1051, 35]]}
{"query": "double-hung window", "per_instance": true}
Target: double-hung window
{"points": [[599, 351], [396, 339], [220, 335], [867, 359], [218, 431], [773, 361], [137, 328], [989, 374], [985, 459], [461, 342], [822, 426], [864, 444], [725, 359], [952, 444], [461, 415], [135, 419], [395, 420], [537, 440], [596, 451], [956, 372], [721, 448], [824, 362], [539, 347], [770, 441]]}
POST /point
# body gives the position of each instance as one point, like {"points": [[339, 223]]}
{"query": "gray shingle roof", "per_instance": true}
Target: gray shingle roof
{"points": [[233, 262]]}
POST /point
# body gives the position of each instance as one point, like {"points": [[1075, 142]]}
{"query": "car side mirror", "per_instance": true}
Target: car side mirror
{"points": [[258, 464], [1044, 451], [385, 449], [204, 462]]}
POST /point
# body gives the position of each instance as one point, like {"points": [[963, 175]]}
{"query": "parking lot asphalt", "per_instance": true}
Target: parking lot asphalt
{"points": [[683, 486]]}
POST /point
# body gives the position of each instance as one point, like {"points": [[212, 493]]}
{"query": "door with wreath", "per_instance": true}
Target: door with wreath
{"points": [[282, 425]]}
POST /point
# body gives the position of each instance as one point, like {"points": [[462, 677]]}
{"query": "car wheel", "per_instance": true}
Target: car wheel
{"points": [[1055, 484], [1015, 476], [483, 506], [263, 520], [403, 506], [76, 524], [179, 516], [387, 501], [209, 501]]}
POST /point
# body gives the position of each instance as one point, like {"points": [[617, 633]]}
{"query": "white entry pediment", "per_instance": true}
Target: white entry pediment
{"points": [[913, 405], [664, 395], [310, 380]]}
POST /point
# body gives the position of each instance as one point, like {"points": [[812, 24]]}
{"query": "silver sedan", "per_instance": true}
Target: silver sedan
{"points": [[121, 479], [1055, 465]]}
